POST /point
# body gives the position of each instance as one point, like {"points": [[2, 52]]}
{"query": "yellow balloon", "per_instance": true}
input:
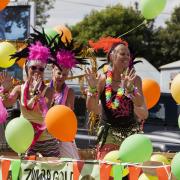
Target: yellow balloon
{"points": [[6, 49], [175, 88], [124, 173], [159, 158], [147, 177], [112, 156], [66, 33]]}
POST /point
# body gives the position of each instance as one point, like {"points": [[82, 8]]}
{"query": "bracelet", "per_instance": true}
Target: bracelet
{"points": [[92, 89], [95, 94], [133, 92], [131, 89]]}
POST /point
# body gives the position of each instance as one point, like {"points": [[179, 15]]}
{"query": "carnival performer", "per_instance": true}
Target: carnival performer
{"points": [[119, 91], [35, 98], [66, 60]]}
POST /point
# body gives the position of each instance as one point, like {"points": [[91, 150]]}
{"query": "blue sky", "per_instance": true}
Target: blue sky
{"points": [[72, 11]]}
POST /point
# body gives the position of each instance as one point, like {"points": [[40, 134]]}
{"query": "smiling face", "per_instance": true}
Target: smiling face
{"points": [[120, 57], [59, 76]]}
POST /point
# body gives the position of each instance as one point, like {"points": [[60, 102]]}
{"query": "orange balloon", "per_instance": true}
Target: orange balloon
{"points": [[3, 4], [61, 122], [151, 91], [21, 62], [66, 33]]}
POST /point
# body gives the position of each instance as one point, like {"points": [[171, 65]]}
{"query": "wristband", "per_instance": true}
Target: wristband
{"points": [[95, 94], [131, 89], [132, 93], [92, 90]]}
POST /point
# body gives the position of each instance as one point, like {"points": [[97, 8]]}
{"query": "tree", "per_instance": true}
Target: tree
{"points": [[114, 21], [42, 8], [167, 41]]}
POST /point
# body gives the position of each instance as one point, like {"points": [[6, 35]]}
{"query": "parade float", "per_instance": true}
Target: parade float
{"points": [[135, 159]]}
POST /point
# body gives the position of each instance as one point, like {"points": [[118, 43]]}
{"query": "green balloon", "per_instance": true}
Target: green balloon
{"points": [[136, 148], [151, 8], [6, 49], [179, 121], [175, 166], [19, 134], [50, 33]]}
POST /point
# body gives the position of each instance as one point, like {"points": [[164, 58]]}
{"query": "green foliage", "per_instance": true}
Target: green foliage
{"points": [[42, 8], [168, 38], [158, 46], [115, 21]]}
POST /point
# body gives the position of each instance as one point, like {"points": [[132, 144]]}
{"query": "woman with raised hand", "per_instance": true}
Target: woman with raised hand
{"points": [[34, 96], [119, 91], [65, 56]]}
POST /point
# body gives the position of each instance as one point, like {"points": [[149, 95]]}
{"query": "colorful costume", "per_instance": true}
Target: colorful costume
{"points": [[118, 120], [33, 104], [64, 56], [115, 125], [43, 142], [67, 149]]}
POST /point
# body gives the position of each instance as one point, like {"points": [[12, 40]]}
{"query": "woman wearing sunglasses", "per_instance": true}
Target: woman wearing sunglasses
{"points": [[35, 98]]}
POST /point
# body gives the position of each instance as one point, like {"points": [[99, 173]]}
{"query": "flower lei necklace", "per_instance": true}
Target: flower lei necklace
{"points": [[108, 93]]}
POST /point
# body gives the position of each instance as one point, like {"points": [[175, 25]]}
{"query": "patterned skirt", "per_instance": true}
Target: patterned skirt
{"points": [[110, 138], [47, 148]]}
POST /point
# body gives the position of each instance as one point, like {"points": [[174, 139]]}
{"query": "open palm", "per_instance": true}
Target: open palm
{"points": [[6, 81]]}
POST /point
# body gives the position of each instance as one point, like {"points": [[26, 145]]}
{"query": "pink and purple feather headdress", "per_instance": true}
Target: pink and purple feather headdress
{"points": [[38, 54], [66, 59], [67, 55], [38, 50]]}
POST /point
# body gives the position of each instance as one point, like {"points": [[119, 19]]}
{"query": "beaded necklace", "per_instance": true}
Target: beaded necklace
{"points": [[108, 93]]}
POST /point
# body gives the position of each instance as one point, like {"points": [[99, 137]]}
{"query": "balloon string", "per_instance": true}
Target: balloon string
{"points": [[144, 22], [91, 161]]}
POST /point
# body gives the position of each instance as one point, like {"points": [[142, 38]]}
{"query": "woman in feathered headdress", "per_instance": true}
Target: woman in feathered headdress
{"points": [[34, 96], [119, 91], [67, 56]]}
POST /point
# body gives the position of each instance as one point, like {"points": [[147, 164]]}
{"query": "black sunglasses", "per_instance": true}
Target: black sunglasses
{"points": [[34, 68]]}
